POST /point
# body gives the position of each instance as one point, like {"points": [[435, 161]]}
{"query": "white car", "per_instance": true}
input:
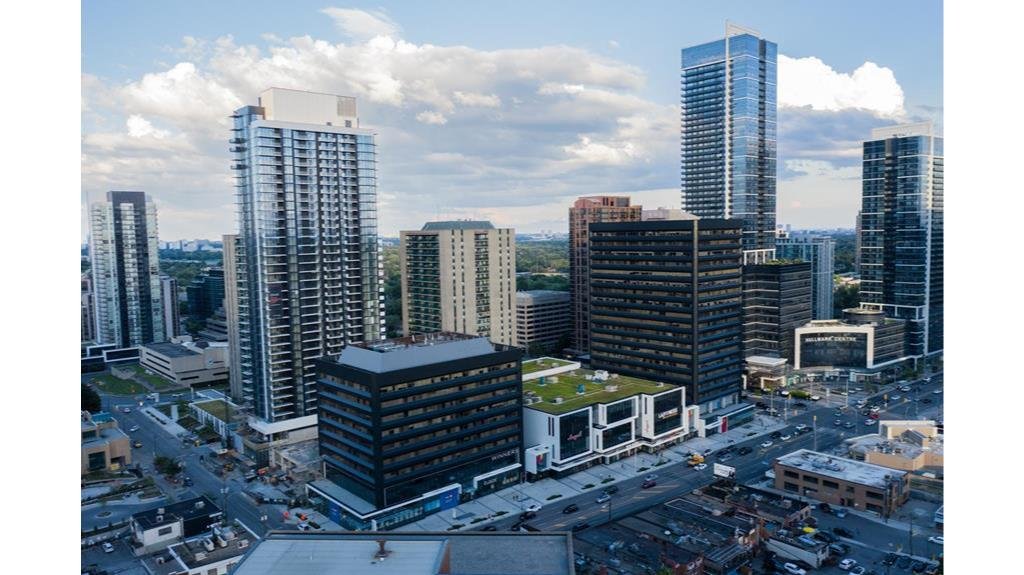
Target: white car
{"points": [[847, 564], [767, 444], [937, 392], [107, 547], [791, 568], [133, 429], [701, 466], [896, 397], [936, 540], [303, 526], [815, 398], [786, 437], [604, 498], [533, 507], [870, 421], [800, 428]]}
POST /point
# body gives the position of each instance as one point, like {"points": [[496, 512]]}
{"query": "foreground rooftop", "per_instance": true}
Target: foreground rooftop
{"points": [[567, 385], [840, 468]]}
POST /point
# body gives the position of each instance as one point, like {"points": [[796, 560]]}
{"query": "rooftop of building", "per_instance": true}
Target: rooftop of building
{"points": [[545, 363], [541, 296], [897, 447], [168, 349], [216, 407], [458, 225], [103, 435], [409, 553], [567, 386], [188, 509], [414, 351], [841, 468], [752, 500], [192, 554]]}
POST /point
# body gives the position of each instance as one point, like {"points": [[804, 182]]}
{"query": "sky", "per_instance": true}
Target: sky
{"points": [[503, 112]]}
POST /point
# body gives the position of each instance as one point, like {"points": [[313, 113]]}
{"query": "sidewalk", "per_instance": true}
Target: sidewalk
{"points": [[164, 422], [551, 491]]}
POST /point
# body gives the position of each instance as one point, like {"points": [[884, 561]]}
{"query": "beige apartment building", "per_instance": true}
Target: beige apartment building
{"points": [[104, 446], [459, 276]]}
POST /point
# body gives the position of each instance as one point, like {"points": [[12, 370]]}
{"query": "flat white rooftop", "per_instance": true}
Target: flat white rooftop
{"points": [[840, 468]]}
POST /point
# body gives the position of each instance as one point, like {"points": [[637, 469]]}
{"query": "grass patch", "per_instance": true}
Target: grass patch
{"points": [[567, 385], [117, 386], [607, 480], [555, 496], [158, 383], [215, 407], [189, 422], [478, 519]]}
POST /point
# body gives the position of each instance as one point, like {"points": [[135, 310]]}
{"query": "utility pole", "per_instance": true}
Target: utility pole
{"points": [[814, 423]]}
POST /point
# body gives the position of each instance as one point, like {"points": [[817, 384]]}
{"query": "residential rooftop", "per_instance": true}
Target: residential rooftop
{"points": [[188, 509], [169, 349], [458, 225], [567, 386], [545, 363], [191, 555], [840, 468], [414, 351], [409, 553], [541, 296]]}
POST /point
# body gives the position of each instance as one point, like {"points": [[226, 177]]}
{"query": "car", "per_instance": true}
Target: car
{"points": [[303, 526], [604, 498], [107, 547], [869, 422], [918, 566], [792, 568], [842, 531], [766, 444], [837, 422], [890, 559], [775, 434], [937, 391], [187, 482], [841, 392], [136, 444], [517, 526], [938, 540], [896, 397], [800, 428], [708, 452], [873, 416], [849, 425], [701, 466], [875, 409], [133, 429], [725, 457], [904, 561], [535, 507], [650, 477], [839, 549], [825, 507], [815, 398], [580, 526], [761, 405], [744, 450], [847, 564], [926, 400], [573, 508], [489, 528], [526, 515], [786, 437], [611, 489], [127, 410], [825, 537], [858, 570], [905, 389], [648, 484], [313, 524]]}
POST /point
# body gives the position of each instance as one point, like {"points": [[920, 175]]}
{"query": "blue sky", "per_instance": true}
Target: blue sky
{"points": [[485, 110]]}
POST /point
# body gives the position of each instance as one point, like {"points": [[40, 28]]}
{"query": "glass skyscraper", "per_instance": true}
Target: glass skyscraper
{"points": [[901, 252], [728, 101], [820, 251], [308, 272]]}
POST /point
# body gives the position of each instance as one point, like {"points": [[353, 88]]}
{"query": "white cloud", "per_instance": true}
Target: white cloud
{"points": [[362, 24], [433, 118], [613, 44], [819, 168], [608, 153], [477, 100], [812, 83], [139, 127], [553, 88]]}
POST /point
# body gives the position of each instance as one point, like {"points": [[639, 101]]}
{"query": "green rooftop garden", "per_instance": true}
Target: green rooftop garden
{"points": [[215, 407], [593, 392], [543, 363]]}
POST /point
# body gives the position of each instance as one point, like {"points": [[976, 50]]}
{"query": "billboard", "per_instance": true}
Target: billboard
{"points": [[724, 471]]}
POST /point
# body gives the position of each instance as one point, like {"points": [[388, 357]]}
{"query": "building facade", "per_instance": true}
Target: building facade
{"points": [[126, 270], [776, 301], [206, 293], [308, 270], [172, 313], [901, 251], [839, 481], [88, 309], [820, 252], [411, 426], [667, 304], [542, 320], [459, 276], [104, 446], [863, 340], [231, 315], [729, 107], [187, 364], [586, 211]]}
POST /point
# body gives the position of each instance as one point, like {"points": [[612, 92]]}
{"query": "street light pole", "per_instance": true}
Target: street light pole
{"points": [[814, 423]]}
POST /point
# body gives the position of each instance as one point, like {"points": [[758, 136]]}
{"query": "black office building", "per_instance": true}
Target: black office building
{"points": [[667, 304], [776, 301], [428, 421], [206, 293]]}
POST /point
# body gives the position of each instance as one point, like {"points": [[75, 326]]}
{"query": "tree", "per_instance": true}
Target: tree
{"points": [[845, 296], [166, 465], [91, 400]]}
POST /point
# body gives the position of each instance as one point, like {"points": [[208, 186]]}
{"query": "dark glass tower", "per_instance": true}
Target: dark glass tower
{"points": [[901, 253], [776, 301], [728, 101], [666, 305]]}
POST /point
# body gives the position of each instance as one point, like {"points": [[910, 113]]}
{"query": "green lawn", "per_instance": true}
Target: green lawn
{"points": [[158, 383], [117, 386], [534, 365], [594, 392], [217, 408]]}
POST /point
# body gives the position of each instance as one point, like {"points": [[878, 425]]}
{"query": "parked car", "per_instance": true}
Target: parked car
{"points": [[303, 526], [926, 400], [725, 457], [847, 564], [127, 409], [842, 531], [187, 482], [890, 559], [580, 526], [815, 398], [611, 489], [873, 416], [766, 444], [526, 515], [825, 537], [839, 549], [793, 569], [648, 484], [313, 524], [535, 507], [489, 528], [107, 547], [744, 450], [571, 508], [849, 425], [937, 391], [604, 498], [895, 397], [133, 429], [775, 434], [837, 422], [825, 507], [869, 422], [136, 444], [800, 428], [938, 540], [786, 437], [701, 466], [918, 566], [858, 570]]}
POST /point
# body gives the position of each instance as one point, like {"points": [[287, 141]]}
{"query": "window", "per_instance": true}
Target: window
{"points": [[873, 495], [792, 474], [811, 479], [790, 486], [830, 484], [165, 530]]}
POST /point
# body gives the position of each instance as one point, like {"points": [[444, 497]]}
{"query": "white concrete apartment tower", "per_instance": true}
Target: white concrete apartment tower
{"points": [[459, 276], [307, 272], [123, 251]]}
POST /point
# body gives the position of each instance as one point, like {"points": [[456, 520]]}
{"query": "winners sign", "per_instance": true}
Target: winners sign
{"points": [[724, 471]]}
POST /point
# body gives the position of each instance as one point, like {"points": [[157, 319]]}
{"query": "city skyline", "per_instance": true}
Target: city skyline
{"points": [[560, 115]]}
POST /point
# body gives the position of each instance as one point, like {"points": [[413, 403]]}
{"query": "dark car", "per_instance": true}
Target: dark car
{"points": [[825, 537], [611, 489], [842, 532], [187, 482], [580, 526], [761, 405], [648, 484], [918, 567], [489, 528], [776, 434], [825, 507], [839, 548], [527, 515], [903, 562], [571, 508], [890, 559], [926, 400], [744, 450]]}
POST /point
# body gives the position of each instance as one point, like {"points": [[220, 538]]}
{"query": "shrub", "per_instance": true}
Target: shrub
{"points": [[500, 513], [555, 496], [642, 469], [456, 526], [607, 480], [588, 486]]}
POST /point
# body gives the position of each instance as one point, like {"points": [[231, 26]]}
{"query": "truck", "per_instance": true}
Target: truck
{"points": [[695, 459]]}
